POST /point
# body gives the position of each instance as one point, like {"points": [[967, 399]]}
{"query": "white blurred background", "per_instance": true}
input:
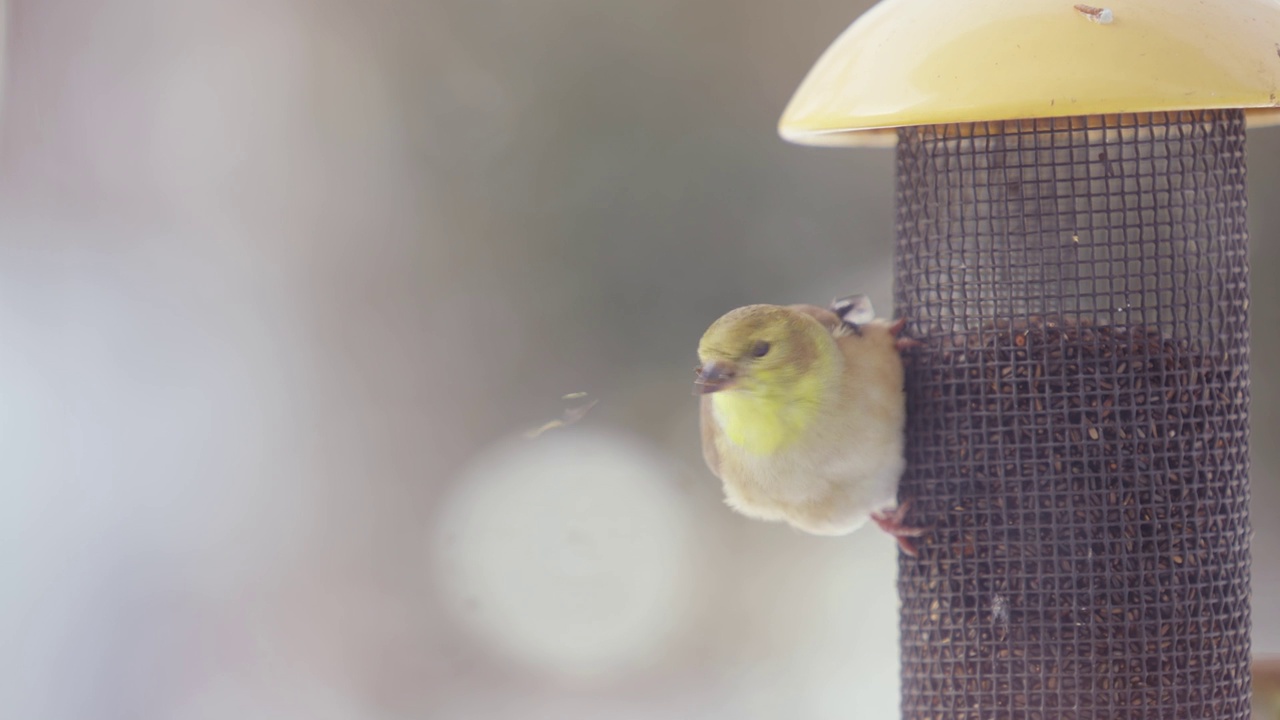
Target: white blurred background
{"points": [[282, 284]]}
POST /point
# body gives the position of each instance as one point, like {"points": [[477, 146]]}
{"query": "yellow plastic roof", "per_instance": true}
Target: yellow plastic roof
{"points": [[925, 62]]}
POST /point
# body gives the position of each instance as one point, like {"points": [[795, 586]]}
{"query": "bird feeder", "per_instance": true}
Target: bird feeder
{"points": [[1072, 250]]}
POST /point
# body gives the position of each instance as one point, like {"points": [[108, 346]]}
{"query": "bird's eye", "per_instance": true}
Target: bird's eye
{"points": [[760, 349]]}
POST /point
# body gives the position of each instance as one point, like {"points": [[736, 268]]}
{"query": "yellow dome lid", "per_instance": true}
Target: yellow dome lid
{"points": [[927, 62]]}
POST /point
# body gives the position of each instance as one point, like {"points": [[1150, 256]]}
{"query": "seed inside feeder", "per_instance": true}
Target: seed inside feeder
{"points": [[1084, 465]]}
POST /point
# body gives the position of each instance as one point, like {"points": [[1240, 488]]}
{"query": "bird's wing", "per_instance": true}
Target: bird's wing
{"points": [[710, 452], [829, 320], [872, 361], [854, 309]]}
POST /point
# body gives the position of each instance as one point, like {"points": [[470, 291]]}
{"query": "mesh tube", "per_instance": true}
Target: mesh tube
{"points": [[1078, 417]]}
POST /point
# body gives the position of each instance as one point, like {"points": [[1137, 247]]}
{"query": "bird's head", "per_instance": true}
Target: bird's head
{"points": [[764, 350]]}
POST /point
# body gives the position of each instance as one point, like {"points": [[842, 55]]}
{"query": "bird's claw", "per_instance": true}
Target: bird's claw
{"points": [[893, 522], [902, 343]]}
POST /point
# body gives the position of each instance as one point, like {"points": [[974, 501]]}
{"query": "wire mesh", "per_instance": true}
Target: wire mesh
{"points": [[1077, 430]]}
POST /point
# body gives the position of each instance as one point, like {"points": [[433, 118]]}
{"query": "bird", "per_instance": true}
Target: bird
{"points": [[803, 413]]}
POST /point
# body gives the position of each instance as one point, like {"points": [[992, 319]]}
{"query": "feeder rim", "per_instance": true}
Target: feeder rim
{"points": [[918, 62]]}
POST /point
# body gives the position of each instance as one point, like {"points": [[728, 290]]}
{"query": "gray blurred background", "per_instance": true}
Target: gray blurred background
{"points": [[282, 285]]}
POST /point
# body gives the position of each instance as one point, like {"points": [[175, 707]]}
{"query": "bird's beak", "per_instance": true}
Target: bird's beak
{"points": [[714, 376]]}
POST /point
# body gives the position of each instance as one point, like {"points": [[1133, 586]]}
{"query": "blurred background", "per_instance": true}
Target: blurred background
{"points": [[282, 286]]}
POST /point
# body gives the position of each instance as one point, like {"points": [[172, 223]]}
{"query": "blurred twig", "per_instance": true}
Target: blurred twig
{"points": [[571, 415]]}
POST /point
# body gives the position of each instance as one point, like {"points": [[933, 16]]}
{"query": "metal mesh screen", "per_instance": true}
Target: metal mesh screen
{"points": [[1077, 432]]}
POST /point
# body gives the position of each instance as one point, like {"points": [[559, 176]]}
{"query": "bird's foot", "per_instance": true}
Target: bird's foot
{"points": [[894, 523], [902, 343]]}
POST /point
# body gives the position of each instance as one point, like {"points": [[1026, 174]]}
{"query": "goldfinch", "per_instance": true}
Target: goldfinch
{"points": [[802, 415]]}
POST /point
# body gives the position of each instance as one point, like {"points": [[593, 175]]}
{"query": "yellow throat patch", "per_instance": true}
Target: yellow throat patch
{"points": [[764, 422]]}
